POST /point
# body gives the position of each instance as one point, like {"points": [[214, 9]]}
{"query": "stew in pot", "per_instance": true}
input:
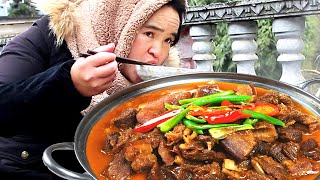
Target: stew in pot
{"points": [[206, 130]]}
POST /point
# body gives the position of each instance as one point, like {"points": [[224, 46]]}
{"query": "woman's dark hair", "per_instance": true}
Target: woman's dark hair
{"points": [[180, 7]]}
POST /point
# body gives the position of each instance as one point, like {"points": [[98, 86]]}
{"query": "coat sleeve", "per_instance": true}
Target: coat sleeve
{"points": [[29, 53], [48, 93], [33, 84]]}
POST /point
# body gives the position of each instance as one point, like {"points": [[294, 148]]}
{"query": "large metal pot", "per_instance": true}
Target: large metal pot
{"points": [[79, 145]]}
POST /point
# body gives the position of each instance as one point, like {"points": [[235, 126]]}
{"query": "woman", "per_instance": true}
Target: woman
{"points": [[44, 84]]}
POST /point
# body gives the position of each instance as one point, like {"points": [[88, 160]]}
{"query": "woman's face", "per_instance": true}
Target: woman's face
{"points": [[153, 41]]}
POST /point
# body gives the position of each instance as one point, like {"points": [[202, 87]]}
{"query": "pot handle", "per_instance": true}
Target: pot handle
{"points": [[306, 83], [54, 167]]}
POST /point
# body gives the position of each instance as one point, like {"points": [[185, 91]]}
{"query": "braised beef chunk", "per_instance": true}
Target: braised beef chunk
{"points": [[298, 168], [290, 134], [175, 97], [135, 148], [270, 167], [286, 114], [175, 135], [154, 137], [111, 141], [166, 154], [270, 97], [309, 145], [119, 168], [208, 171], [291, 150], [276, 98], [262, 148], [139, 153], [126, 120], [311, 149], [206, 141], [285, 99], [124, 138], [239, 145], [306, 118], [279, 151], [252, 175], [195, 151], [150, 111], [206, 90], [314, 127], [249, 174], [245, 89], [187, 172], [143, 162], [276, 152], [315, 155], [243, 170], [300, 127], [290, 116], [160, 173], [156, 108], [264, 131]]}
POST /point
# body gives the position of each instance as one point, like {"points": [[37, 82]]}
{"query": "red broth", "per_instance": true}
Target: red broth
{"points": [[99, 161]]}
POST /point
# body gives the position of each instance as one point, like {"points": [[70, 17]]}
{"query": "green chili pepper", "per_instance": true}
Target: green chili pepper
{"points": [[189, 123], [223, 93], [221, 133], [192, 125], [199, 131], [250, 121], [264, 117], [170, 106], [195, 119], [170, 123], [217, 99]]}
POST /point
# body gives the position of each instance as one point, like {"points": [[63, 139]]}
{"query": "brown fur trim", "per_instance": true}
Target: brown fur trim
{"points": [[62, 14]]}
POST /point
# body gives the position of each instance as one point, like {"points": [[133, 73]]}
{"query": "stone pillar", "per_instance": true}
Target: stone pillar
{"points": [[289, 32], [242, 34], [202, 36], [244, 47]]}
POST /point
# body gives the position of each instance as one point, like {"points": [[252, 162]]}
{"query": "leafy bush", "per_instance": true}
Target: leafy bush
{"points": [[19, 9]]}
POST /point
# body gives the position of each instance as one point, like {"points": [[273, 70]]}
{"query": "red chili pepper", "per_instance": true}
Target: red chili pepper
{"points": [[176, 151], [203, 110], [227, 117], [152, 123], [266, 108], [239, 106]]}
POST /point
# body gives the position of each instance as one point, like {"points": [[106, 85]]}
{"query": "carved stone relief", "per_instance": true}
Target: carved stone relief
{"points": [[250, 10]]}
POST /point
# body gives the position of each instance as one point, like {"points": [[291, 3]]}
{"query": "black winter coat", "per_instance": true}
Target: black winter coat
{"points": [[39, 105]]}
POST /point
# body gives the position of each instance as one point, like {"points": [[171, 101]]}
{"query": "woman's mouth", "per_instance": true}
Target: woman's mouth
{"points": [[152, 61]]}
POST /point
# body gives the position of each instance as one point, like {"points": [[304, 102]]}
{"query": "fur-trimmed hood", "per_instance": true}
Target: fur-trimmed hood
{"points": [[88, 24]]}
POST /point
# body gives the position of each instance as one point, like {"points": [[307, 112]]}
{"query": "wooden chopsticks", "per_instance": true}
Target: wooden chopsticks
{"points": [[118, 59]]}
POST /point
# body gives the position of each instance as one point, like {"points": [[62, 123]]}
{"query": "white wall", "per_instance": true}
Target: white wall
{"points": [[3, 10], [4, 7]]}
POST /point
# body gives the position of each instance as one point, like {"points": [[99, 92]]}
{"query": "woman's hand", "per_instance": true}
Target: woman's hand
{"points": [[94, 74]]}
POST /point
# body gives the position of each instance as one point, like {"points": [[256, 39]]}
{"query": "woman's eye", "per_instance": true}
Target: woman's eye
{"points": [[149, 34], [169, 41]]}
